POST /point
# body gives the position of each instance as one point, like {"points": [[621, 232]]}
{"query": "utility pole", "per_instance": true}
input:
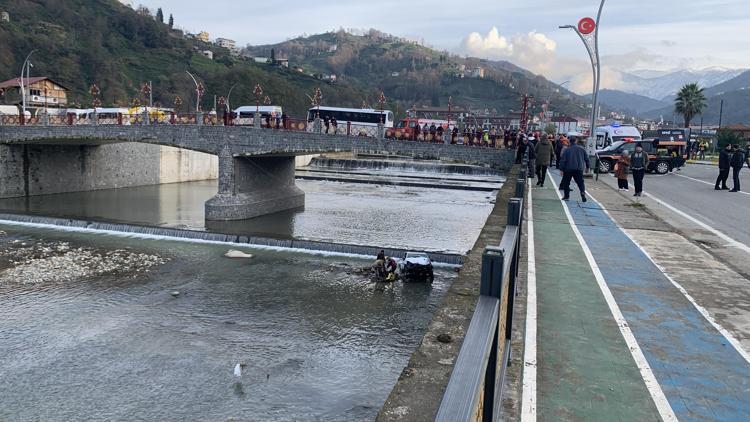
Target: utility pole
{"points": [[25, 67], [721, 113]]}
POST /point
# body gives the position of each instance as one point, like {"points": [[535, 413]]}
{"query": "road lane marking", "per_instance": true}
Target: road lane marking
{"points": [[704, 182], [727, 335], [730, 241], [528, 408], [660, 400]]}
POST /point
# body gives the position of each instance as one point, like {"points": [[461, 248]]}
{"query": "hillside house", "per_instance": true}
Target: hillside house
{"points": [[742, 130], [40, 92], [4, 16]]}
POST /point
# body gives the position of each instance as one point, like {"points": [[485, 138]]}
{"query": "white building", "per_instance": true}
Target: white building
{"points": [[226, 43], [4, 16], [208, 54]]}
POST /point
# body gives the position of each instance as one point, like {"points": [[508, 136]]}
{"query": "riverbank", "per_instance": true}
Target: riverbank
{"points": [[419, 390]]}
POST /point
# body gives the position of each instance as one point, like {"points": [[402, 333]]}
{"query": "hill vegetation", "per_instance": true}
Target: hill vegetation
{"points": [[82, 42]]}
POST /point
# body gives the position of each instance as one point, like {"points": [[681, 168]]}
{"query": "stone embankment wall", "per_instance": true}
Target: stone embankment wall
{"points": [[419, 390], [28, 170]]}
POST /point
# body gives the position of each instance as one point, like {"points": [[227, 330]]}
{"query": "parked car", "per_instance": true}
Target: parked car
{"points": [[665, 156]]}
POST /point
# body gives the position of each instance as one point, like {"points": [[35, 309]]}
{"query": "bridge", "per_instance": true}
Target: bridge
{"points": [[256, 166]]}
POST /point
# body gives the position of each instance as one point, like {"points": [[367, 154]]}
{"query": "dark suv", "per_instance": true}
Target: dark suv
{"points": [[663, 156]]}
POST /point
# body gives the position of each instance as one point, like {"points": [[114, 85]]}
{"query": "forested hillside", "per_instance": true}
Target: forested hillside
{"points": [[81, 42]]}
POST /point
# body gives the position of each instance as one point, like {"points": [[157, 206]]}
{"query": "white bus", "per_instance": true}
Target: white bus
{"points": [[363, 120], [245, 115]]}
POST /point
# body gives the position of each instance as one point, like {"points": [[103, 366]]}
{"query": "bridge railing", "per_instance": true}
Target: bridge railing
{"points": [[211, 119], [474, 390]]}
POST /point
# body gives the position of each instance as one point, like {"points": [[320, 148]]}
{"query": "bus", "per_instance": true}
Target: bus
{"points": [[245, 115], [363, 121]]}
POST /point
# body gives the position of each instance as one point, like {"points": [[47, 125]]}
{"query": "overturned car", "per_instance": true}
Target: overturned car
{"points": [[417, 266]]}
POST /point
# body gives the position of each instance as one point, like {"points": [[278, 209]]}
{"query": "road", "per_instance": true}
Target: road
{"points": [[691, 191]]}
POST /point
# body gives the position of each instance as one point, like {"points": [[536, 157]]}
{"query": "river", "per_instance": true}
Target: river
{"points": [[160, 341]]}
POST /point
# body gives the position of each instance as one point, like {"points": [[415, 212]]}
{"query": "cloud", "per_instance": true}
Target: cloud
{"points": [[526, 48], [537, 53]]}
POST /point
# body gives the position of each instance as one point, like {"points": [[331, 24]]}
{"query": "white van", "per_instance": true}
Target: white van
{"points": [[246, 114], [607, 135]]}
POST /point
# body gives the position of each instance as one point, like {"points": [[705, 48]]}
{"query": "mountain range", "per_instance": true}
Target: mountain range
{"points": [[731, 86], [664, 85]]}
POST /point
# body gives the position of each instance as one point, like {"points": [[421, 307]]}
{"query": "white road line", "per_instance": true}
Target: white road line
{"points": [[660, 400], [731, 242], [528, 408], [730, 338], [704, 182]]}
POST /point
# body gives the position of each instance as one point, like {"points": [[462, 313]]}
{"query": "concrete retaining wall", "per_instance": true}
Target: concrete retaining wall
{"points": [[48, 169]]}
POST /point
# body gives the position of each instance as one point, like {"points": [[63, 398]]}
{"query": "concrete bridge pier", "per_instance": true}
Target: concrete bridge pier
{"points": [[253, 186]]}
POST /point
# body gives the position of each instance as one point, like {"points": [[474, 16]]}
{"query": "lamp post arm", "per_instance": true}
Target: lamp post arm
{"points": [[197, 96]]}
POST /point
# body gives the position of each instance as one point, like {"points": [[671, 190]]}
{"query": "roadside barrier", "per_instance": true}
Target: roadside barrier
{"points": [[474, 390]]}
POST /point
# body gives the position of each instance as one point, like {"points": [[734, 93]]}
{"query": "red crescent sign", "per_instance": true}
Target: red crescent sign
{"points": [[586, 26]]}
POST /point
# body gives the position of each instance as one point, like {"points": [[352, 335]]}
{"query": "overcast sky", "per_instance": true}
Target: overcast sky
{"points": [[635, 34]]}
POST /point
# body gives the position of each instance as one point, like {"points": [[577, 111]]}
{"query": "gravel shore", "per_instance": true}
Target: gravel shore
{"points": [[33, 262]]}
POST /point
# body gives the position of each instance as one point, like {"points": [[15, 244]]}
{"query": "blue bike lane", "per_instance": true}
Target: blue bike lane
{"points": [[703, 377]]}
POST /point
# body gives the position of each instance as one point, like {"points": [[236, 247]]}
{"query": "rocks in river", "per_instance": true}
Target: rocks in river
{"points": [[42, 262], [237, 254]]}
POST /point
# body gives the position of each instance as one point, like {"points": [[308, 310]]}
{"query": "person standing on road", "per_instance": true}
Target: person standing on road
{"points": [[738, 160], [702, 150], [639, 165], [544, 152], [747, 155], [574, 161], [622, 168], [725, 157]]}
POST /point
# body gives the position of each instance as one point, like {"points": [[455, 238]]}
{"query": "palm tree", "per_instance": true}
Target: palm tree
{"points": [[690, 102]]}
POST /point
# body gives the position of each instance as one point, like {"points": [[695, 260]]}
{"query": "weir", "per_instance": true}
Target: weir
{"points": [[292, 244], [402, 166]]}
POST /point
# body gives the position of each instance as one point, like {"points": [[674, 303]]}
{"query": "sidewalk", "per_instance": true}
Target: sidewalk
{"points": [[617, 338]]}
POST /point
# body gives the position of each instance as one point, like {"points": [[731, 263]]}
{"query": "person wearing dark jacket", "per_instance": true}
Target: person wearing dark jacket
{"points": [[522, 146], [738, 160], [531, 165], [747, 155], [639, 165], [725, 157], [544, 152], [573, 162]]}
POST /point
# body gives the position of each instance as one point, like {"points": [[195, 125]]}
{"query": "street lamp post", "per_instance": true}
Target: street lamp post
{"points": [[25, 68], [588, 31]]}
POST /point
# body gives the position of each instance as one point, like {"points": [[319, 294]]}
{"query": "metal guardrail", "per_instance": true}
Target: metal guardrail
{"points": [[474, 390]]}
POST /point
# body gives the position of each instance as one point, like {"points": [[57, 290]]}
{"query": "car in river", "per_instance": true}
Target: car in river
{"points": [[417, 266], [664, 156]]}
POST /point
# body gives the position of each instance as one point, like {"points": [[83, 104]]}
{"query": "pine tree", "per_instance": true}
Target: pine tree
{"points": [[159, 15], [171, 21], [273, 56]]}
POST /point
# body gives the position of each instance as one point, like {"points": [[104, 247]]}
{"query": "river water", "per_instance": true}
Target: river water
{"points": [[321, 341]]}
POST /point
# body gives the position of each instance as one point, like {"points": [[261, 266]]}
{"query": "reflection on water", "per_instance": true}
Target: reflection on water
{"points": [[371, 215], [320, 341]]}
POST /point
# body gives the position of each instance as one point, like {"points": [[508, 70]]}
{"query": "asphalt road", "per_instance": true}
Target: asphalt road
{"points": [[691, 190]]}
